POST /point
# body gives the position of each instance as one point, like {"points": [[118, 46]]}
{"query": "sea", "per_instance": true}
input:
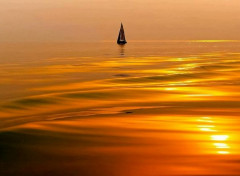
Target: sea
{"points": [[147, 108]]}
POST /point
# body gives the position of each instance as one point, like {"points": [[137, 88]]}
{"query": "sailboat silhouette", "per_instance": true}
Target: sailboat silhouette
{"points": [[121, 36]]}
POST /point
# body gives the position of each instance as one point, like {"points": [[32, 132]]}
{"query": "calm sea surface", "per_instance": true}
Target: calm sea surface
{"points": [[99, 109]]}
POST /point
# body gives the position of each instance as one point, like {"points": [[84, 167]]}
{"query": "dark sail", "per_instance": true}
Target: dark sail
{"points": [[121, 36]]}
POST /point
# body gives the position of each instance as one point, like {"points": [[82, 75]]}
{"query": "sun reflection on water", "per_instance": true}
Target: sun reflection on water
{"points": [[219, 137], [219, 141]]}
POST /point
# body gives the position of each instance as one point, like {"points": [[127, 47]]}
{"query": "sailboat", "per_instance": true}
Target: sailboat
{"points": [[121, 36]]}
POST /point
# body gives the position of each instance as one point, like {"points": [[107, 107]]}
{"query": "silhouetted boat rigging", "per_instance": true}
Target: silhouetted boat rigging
{"points": [[121, 36]]}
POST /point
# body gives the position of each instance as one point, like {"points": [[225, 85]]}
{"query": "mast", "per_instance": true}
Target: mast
{"points": [[121, 36]]}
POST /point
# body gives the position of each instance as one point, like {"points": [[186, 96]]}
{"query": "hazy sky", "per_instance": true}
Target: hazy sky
{"points": [[89, 20]]}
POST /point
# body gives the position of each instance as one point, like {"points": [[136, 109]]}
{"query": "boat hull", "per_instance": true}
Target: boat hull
{"points": [[121, 42]]}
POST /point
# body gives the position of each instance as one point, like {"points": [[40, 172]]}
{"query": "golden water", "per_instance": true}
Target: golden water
{"points": [[144, 109]]}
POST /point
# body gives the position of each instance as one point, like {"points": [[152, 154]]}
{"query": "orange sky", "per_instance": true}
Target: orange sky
{"points": [[90, 20]]}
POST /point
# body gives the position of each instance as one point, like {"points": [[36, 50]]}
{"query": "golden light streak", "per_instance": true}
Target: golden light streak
{"points": [[170, 88], [219, 137], [220, 145], [223, 152]]}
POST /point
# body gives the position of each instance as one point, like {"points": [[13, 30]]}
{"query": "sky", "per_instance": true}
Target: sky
{"points": [[97, 20]]}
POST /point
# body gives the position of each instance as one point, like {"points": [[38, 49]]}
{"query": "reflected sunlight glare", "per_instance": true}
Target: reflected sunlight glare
{"points": [[219, 137]]}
